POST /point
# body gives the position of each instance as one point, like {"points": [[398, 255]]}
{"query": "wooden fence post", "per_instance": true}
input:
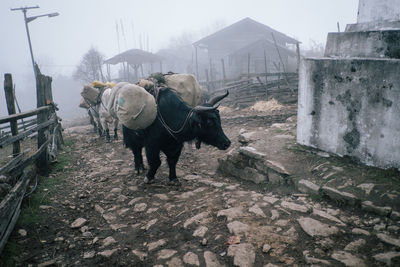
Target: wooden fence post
{"points": [[42, 161], [266, 75], [223, 70], [9, 92], [248, 68], [208, 81]]}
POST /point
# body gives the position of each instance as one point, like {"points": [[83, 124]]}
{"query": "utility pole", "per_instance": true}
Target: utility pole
{"points": [[29, 19], [24, 9]]}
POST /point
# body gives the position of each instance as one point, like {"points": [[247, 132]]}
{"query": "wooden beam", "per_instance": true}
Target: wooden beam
{"points": [[10, 209], [41, 83], [9, 93], [223, 70], [12, 163], [24, 114], [16, 138]]}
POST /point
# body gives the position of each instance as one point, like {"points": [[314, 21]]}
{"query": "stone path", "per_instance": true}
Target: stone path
{"points": [[109, 217]]}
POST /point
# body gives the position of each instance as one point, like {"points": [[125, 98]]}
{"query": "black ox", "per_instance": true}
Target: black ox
{"points": [[176, 123]]}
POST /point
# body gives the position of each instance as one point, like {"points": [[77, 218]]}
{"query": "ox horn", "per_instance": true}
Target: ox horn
{"points": [[216, 99], [203, 108]]}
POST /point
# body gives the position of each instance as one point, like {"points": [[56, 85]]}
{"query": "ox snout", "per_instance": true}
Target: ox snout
{"points": [[225, 144]]}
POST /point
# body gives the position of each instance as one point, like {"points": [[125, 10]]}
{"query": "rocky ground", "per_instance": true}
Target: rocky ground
{"points": [[104, 215]]}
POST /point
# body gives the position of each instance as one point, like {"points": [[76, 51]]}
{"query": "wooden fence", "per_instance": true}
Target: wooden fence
{"points": [[14, 174], [246, 90]]}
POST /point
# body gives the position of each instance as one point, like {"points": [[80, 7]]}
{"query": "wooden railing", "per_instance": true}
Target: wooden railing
{"points": [[42, 123], [245, 91]]}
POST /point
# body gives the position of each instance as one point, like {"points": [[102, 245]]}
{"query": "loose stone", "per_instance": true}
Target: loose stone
{"points": [[166, 254], [243, 254], [315, 228], [191, 258]]}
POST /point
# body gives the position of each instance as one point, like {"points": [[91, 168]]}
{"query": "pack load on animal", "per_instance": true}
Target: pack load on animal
{"points": [[186, 87], [83, 104], [113, 102], [97, 84], [90, 94], [134, 106]]}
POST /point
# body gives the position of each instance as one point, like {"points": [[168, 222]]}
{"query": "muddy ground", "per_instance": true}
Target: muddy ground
{"points": [[102, 214]]}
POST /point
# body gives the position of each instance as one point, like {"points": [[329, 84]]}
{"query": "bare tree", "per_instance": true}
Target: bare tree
{"points": [[315, 49], [90, 67]]}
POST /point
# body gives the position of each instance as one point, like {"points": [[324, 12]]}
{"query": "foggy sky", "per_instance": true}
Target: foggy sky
{"points": [[60, 42]]}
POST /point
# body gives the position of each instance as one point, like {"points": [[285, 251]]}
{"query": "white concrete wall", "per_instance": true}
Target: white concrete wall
{"points": [[347, 107], [378, 10]]}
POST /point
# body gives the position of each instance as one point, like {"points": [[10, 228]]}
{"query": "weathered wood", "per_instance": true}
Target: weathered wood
{"points": [[12, 163], [20, 124], [17, 170], [41, 83], [26, 133], [223, 70], [298, 56], [211, 72], [10, 209], [197, 63], [24, 114], [9, 93], [19, 109], [266, 74], [248, 66], [207, 80]]}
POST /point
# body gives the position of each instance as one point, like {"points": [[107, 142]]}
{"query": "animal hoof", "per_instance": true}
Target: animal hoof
{"points": [[148, 181], [174, 182]]}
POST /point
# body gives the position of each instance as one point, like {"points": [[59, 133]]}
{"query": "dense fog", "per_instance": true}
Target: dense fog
{"points": [[111, 27]]}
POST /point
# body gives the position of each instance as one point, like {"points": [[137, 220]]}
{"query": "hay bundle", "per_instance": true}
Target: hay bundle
{"points": [[270, 105]]}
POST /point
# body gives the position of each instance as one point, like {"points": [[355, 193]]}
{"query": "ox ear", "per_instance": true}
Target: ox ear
{"points": [[216, 99]]}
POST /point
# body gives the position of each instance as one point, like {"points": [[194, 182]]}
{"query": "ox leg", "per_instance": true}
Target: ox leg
{"points": [[138, 158], [108, 137], [100, 130], [153, 159], [172, 159], [104, 123], [116, 130]]}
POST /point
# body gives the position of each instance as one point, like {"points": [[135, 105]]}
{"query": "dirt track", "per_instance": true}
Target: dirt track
{"points": [[104, 215]]}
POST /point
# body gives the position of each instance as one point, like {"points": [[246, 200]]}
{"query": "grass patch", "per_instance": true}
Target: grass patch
{"points": [[46, 188], [9, 251]]}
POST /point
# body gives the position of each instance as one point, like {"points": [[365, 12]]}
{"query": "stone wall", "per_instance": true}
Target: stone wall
{"points": [[373, 10], [351, 107], [373, 44]]}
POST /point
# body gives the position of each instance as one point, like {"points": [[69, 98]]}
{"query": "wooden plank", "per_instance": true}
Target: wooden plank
{"points": [[223, 70], [26, 133], [24, 114], [10, 204], [12, 163], [9, 93], [10, 227], [26, 162], [41, 83], [27, 125], [20, 124]]}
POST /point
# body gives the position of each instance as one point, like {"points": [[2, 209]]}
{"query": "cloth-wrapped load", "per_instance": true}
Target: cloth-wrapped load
{"points": [[83, 103], [186, 87], [90, 94], [134, 106]]}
